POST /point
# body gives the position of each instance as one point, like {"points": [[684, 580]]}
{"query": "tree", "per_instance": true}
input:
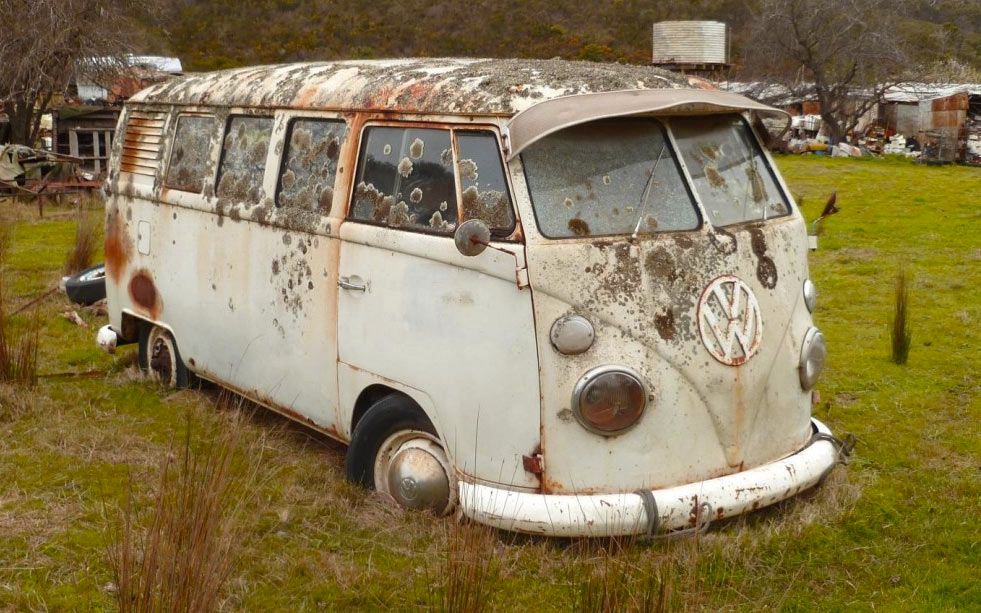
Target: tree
{"points": [[844, 53], [44, 44]]}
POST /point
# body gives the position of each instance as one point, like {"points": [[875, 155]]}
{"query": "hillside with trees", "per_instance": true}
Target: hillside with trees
{"points": [[942, 35]]}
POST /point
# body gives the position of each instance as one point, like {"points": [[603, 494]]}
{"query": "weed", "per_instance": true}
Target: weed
{"points": [[902, 336], [614, 575], [88, 237], [18, 356], [184, 555], [465, 573]]}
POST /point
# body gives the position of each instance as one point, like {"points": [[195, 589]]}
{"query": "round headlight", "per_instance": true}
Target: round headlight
{"points": [[812, 357], [810, 295], [609, 399]]}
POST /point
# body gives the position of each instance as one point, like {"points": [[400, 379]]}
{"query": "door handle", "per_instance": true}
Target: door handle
{"points": [[346, 283]]}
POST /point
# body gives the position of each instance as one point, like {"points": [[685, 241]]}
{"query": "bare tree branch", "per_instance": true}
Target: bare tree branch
{"points": [[845, 53], [44, 45]]}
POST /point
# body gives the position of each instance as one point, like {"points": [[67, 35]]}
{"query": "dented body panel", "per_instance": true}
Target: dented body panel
{"points": [[246, 216]]}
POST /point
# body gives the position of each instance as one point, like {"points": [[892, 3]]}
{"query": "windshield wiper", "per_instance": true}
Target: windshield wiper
{"points": [[647, 192]]}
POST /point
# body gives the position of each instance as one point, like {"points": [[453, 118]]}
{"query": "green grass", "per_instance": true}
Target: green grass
{"points": [[896, 531]]}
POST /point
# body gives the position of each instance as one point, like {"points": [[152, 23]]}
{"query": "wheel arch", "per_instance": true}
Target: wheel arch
{"points": [[359, 389], [375, 392]]}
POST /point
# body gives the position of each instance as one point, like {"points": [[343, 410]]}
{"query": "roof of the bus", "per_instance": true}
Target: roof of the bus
{"points": [[441, 86]]}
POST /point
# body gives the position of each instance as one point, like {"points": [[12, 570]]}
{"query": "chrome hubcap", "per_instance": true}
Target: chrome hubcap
{"points": [[412, 468]]}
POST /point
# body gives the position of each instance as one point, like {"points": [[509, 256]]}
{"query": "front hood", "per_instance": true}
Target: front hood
{"points": [[725, 395]]}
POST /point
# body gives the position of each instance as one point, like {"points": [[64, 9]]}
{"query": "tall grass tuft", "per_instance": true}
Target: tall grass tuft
{"points": [[18, 354], [465, 572], [902, 336], [88, 236], [606, 578], [178, 554]]}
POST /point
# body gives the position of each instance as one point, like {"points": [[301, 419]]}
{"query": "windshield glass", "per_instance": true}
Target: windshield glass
{"points": [[608, 177], [728, 169]]}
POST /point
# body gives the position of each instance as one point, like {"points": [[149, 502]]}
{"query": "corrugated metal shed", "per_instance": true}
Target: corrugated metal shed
{"points": [[690, 42]]}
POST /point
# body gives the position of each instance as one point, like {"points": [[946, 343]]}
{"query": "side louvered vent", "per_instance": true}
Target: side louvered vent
{"points": [[142, 143]]}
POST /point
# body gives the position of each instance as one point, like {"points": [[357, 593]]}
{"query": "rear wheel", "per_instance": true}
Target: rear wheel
{"points": [[160, 359], [394, 448]]}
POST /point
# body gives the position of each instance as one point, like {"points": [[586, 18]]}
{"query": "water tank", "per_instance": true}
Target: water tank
{"points": [[690, 42]]}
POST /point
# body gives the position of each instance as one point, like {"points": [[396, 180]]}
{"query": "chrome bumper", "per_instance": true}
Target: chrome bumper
{"points": [[675, 508]]}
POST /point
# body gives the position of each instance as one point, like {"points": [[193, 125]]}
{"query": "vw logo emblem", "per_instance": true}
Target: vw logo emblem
{"points": [[729, 320], [407, 488]]}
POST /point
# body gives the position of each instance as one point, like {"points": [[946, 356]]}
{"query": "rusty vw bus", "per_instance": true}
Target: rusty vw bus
{"points": [[560, 298]]}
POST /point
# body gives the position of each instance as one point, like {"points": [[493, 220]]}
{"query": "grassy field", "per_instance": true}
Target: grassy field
{"points": [[896, 530]]}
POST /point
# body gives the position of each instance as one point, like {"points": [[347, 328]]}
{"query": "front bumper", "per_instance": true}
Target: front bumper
{"points": [[677, 508]]}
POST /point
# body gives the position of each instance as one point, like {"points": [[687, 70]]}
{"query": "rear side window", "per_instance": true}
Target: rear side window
{"points": [[405, 179], [306, 180], [191, 153], [243, 158]]}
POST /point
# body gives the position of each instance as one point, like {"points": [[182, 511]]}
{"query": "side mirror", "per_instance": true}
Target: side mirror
{"points": [[472, 237]]}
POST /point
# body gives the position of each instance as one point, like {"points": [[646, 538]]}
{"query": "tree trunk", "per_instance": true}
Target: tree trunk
{"points": [[21, 120], [836, 132]]}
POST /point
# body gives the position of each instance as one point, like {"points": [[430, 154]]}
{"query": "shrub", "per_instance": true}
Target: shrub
{"points": [[902, 336]]}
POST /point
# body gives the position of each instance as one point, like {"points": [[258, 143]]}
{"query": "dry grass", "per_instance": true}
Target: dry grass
{"points": [[88, 238], [610, 576], [901, 335], [465, 573], [18, 354], [181, 554]]}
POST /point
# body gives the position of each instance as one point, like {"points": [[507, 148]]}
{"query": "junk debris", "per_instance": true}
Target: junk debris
{"points": [[35, 173]]}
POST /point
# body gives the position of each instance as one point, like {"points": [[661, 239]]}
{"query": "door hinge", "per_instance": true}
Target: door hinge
{"points": [[521, 277], [534, 463]]}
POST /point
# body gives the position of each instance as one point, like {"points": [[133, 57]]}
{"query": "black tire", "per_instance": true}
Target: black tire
{"points": [[391, 414], [160, 359], [88, 286]]}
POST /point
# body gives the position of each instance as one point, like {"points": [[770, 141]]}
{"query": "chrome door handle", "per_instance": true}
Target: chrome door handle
{"points": [[345, 283]]}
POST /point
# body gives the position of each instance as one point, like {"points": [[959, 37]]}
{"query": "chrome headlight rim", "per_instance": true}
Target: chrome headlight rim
{"points": [[810, 295], [591, 375], [813, 340]]}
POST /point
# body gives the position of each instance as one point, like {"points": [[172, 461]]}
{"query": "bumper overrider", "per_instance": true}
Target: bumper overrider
{"points": [[691, 506]]}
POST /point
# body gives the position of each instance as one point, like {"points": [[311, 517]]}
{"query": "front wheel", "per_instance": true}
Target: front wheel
{"points": [[394, 448], [160, 359]]}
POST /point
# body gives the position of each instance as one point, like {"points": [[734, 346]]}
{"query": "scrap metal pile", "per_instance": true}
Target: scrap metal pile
{"points": [[34, 172]]}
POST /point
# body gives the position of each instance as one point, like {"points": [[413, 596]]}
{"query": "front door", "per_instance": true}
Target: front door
{"points": [[457, 331]]}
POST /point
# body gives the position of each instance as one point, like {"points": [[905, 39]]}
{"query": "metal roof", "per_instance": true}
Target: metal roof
{"points": [[443, 86]]}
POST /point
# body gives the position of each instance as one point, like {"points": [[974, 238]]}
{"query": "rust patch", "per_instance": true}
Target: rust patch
{"points": [[664, 323], [144, 293], [660, 263], [685, 242], [578, 226], [766, 268], [117, 248]]}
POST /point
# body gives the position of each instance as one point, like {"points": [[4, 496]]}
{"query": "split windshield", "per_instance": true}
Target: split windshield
{"points": [[621, 177], [730, 174], [608, 177]]}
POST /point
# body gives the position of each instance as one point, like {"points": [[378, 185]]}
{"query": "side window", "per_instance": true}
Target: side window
{"points": [[306, 180], [485, 190], [405, 179], [243, 158], [190, 154]]}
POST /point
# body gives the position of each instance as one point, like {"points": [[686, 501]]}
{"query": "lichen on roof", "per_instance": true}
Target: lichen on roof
{"points": [[451, 86]]}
